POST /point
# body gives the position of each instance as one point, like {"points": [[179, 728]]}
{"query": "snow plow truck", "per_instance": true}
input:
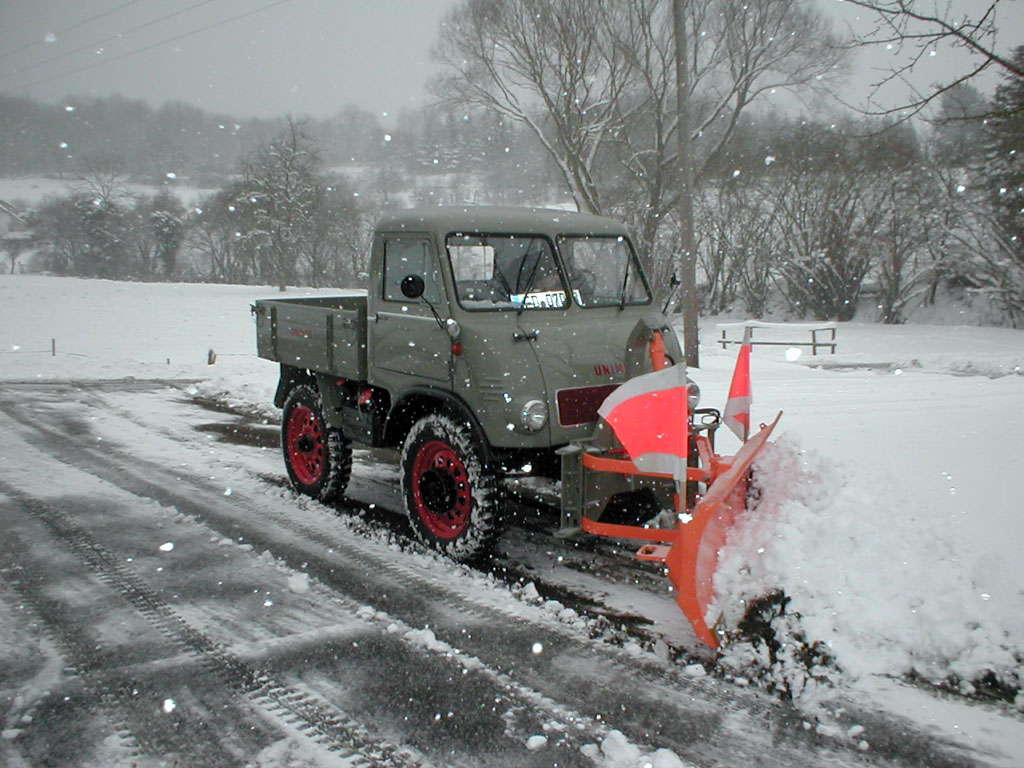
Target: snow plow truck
{"points": [[495, 341]]}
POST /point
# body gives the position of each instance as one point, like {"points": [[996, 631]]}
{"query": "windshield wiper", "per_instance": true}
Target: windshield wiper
{"points": [[529, 279], [504, 283], [622, 294]]}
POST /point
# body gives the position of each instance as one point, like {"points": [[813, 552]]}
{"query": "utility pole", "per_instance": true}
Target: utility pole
{"points": [[691, 347]]}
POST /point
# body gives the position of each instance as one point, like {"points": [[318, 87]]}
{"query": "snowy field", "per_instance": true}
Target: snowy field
{"points": [[32, 190], [890, 513]]}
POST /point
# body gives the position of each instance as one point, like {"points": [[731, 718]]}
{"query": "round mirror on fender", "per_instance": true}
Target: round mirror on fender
{"points": [[413, 286]]}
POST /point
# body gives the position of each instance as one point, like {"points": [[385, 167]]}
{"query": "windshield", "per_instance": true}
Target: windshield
{"points": [[603, 271], [506, 272]]}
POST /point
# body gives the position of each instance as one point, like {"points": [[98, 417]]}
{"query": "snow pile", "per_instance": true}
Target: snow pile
{"points": [[536, 742], [873, 584], [616, 751]]}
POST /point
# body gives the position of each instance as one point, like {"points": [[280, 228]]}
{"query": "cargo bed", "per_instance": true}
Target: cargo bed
{"points": [[298, 332]]}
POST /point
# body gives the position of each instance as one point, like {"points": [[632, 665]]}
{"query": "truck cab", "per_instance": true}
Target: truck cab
{"points": [[525, 315]]}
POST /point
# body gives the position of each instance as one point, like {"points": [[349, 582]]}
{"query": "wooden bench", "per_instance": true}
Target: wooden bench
{"points": [[826, 340]]}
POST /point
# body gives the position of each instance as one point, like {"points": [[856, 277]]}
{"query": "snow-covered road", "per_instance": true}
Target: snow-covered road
{"points": [[165, 599], [894, 528]]}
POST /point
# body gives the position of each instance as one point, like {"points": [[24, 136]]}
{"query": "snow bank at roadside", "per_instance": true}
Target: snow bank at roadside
{"points": [[875, 583]]}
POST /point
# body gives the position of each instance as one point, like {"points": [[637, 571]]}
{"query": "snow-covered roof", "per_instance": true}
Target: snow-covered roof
{"points": [[499, 220]]}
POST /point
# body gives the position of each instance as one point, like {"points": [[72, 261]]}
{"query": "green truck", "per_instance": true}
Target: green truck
{"points": [[486, 341]]}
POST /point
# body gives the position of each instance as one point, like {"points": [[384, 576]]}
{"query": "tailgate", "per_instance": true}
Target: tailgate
{"points": [[324, 334]]}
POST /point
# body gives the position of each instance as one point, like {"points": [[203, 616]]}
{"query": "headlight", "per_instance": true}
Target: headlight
{"points": [[534, 416], [692, 393]]}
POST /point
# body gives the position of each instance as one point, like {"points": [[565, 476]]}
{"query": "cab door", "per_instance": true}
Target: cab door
{"points": [[406, 339]]}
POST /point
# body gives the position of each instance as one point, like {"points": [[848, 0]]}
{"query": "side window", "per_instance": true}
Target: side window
{"points": [[410, 256]]}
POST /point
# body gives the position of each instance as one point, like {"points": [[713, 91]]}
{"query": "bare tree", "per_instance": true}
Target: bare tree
{"points": [[912, 30], [215, 230], [284, 193], [551, 65], [590, 76], [596, 82], [336, 250], [156, 235], [103, 175], [829, 212], [977, 251], [737, 230], [14, 245], [902, 237]]}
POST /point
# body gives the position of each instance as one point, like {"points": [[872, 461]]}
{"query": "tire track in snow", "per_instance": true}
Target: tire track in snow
{"points": [[430, 601], [324, 723], [29, 697], [609, 666]]}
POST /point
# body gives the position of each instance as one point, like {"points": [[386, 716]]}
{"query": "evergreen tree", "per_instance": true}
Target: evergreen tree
{"points": [[1004, 170]]}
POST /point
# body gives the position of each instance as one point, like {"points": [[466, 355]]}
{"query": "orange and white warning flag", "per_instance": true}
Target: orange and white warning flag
{"points": [[648, 416], [737, 408]]}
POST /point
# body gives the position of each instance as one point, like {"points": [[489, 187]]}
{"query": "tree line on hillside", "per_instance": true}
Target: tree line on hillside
{"points": [[540, 102], [179, 142]]}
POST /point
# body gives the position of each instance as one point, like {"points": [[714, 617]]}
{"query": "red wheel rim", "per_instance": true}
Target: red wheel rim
{"points": [[305, 445], [440, 489]]}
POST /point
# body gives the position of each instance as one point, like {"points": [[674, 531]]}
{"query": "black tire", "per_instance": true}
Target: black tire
{"points": [[452, 495], [318, 458]]}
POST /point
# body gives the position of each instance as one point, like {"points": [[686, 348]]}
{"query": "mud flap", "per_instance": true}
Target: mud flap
{"points": [[693, 557]]}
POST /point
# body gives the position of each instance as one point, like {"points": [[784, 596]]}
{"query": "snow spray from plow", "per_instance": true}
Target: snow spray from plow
{"points": [[657, 437]]}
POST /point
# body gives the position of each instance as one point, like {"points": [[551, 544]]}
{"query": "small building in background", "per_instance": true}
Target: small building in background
{"points": [[15, 236]]}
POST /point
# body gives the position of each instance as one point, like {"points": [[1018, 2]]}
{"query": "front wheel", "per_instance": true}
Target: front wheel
{"points": [[318, 458], [451, 495]]}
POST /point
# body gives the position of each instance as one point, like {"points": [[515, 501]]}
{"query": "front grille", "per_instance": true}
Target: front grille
{"points": [[579, 405]]}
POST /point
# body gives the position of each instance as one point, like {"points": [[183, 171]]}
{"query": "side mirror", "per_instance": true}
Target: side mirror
{"points": [[413, 286]]}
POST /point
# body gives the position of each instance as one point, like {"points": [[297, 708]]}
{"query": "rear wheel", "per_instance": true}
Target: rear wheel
{"points": [[451, 495], [318, 459]]}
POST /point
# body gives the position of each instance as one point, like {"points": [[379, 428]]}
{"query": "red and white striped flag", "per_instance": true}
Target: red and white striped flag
{"points": [[737, 408], [648, 416]]}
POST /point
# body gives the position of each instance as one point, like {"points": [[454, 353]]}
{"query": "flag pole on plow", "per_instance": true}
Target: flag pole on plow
{"points": [[737, 408]]}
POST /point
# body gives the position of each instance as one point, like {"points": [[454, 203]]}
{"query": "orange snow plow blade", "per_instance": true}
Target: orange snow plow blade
{"points": [[690, 551], [658, 438], [693, 557]]}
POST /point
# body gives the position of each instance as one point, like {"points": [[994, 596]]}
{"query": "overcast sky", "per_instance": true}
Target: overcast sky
{"points": [[305, 57], [270, 57]]}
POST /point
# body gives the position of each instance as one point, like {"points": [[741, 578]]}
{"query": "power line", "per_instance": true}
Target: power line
{"points": [[106, 39], [71, 28], [145, 48]]}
